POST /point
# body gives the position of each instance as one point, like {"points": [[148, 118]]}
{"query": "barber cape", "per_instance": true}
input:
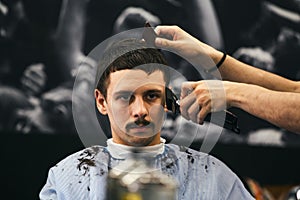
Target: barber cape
{"points": [[83, 175]]}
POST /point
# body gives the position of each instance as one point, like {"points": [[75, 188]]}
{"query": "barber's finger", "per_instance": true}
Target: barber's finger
{"points": [[187, 88], [185, 104], [202, 114], [193, 112], [164, 43], [168, 31]]}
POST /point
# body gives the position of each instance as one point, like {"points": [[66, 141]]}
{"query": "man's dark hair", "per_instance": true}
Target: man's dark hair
{"points": [[129, 54]]}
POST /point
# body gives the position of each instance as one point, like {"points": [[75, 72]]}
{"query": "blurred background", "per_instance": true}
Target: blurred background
{"points": [[43, 43]]}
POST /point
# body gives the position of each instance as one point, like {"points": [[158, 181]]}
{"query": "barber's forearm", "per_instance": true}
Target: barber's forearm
{"points": [[279, 108], [231, 69], [234, 70]]}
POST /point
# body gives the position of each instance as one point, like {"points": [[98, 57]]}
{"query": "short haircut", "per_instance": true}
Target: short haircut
{"points": [[129, 54]]}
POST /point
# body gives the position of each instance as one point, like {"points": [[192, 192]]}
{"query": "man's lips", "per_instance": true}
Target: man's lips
{"points": [[140, 127]]}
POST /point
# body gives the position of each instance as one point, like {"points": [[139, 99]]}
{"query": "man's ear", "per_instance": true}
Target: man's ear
{"points": [[100, 102], [165, 108]]}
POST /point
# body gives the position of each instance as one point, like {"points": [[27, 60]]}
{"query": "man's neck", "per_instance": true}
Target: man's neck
{"points": [[120, 151], [152, 141]]}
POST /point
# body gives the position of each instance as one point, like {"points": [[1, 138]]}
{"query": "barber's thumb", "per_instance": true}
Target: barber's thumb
{"points": [[162, 42]]}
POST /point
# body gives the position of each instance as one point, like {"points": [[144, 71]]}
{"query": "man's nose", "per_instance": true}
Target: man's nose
{"points": [[138, 108]]}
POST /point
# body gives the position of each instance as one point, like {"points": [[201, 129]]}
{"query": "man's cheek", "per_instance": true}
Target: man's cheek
{"points": [[120, 116], [157, 116]]}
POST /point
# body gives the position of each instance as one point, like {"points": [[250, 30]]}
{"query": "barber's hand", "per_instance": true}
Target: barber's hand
{"points": [[177, 40], [202, 97]]}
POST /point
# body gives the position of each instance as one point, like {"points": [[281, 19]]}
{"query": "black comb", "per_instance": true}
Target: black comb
{"points": [[149, 34]]}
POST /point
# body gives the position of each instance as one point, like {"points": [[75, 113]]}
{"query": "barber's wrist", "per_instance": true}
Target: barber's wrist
{"points": [[238, 94], [217, 57], [234, 94]]}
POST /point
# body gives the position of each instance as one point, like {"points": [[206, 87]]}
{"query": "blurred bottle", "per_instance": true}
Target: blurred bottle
{"points": [[137, 179]]}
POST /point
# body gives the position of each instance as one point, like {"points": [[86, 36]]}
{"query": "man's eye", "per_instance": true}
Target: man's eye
{"points": [[153, 96], [124, 97]]}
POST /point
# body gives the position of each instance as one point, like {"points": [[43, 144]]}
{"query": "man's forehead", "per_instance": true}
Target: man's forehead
{"points": [[131, 79]]}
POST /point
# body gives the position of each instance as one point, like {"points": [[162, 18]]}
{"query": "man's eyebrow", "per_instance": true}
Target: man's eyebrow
{"points": [[122, 92], [153, 90], [127, 92]]}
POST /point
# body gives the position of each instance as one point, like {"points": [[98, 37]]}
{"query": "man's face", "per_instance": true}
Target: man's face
{"points": [[135, 106]]}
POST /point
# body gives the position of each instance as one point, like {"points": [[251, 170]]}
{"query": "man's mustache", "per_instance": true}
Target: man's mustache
{"points": [[139, 123]]}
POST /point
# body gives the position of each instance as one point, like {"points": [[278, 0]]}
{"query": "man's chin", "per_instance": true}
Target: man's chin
{"points": [[137, 141], [142, 135]]}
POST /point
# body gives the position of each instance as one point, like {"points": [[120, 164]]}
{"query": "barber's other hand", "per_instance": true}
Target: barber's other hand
{"points": [[202, 97], [177, 40]]}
